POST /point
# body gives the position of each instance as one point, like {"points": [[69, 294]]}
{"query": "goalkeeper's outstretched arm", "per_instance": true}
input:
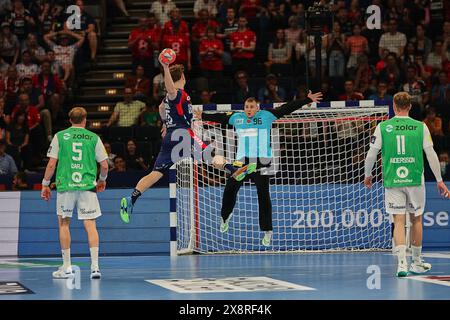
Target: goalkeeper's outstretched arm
{"points": [[292, 106]]}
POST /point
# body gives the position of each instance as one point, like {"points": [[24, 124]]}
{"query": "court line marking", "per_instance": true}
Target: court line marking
{"points": [[433, 281]]}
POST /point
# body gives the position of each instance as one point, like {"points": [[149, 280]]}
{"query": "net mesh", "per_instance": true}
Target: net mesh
{"points": [[318, 199]]}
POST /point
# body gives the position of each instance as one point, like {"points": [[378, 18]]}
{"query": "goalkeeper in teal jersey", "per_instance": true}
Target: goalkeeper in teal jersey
{"points": [[75, 153], [402, 142], [254, 152]]}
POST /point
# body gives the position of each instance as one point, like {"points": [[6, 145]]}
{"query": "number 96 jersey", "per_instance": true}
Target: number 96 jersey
{"points": [[77, 150]]}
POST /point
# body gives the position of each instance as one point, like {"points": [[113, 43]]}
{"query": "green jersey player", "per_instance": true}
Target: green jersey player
{"points": [[74, 153], [402, 141]]}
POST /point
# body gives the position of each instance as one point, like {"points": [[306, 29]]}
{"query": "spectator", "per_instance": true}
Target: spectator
{"points": [[209, 5], [4, 66], [354, 14], [27, 68], [271, 92], [437, 56], [228, 27], [111, 156], [150, 116], [301, 93], [273, 17], [17, 139], [133, 157], [9, 45], [119, 164], [424, 72], [159, 88], [410, 53], [175, 35], [393, 40], [205, 97], [64, 51], [51, 87], [434, 124], [444, 161], [56, 66], [37, 52], [293, 32], [342, 19], [356, 46], [243, 90], [3, 119], [381, 93], [422, 43], [7, 165], [279, 55], [350, 94], [140, 83], [249, 9], [126, 113], [336, 52], [243, 44], [300, 54], [142, 42], [45, 18], [298, 10], [11, 87], [391, 73], [201, 25], [439, 91], [365, 75], [21, 20], [418, 92], [37, 100], [211, 51], [88, 28], [33, 123], [161, 8], [5, 7], [20, 182]]}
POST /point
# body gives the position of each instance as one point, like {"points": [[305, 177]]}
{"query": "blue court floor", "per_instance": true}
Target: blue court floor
{"points": [[327, 275]]}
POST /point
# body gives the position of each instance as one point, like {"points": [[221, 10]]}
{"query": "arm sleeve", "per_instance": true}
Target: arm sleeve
{"points": [[289, 107], [427, 140], [100, 152], [222, 118], [53, 150], [433, 161], [371, 158]]}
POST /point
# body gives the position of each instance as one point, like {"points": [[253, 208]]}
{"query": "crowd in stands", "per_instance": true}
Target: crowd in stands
{"points": [[232, 50]]}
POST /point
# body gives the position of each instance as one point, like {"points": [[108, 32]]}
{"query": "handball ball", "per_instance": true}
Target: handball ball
{"points": [[167, 56]]}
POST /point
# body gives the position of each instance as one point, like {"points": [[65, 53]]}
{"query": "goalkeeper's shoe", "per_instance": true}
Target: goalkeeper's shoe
{"points": [[62, 273], [126, 209], [224, 224], [267, 238], [419, 267], [402, 269], [241, 173]]}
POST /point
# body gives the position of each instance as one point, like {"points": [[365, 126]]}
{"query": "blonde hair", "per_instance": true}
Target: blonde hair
{"points": [[77, 115], [402, 100]]}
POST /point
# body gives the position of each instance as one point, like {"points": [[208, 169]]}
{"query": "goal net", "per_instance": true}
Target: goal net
{"points": [[318, 199]]}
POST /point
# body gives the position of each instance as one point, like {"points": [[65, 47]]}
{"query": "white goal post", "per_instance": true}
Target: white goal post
{"points": [[318, 199]]}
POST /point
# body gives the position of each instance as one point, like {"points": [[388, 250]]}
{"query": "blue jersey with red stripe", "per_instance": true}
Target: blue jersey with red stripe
{"points": [[178, 111]]}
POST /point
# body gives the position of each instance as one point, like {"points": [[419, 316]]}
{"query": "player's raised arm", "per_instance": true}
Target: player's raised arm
{"points": [[292, 106], [168, 81]]}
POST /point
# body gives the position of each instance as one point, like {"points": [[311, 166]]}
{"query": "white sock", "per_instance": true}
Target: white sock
{"points": [[401, 253], [94, 257], [66, 258], [416, 253]]}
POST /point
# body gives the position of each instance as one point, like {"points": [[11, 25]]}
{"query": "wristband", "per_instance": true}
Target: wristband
{"points": [[102, 178], [45, 183]]}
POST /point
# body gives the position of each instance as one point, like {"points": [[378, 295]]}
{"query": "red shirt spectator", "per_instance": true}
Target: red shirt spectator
{"points": [[180, 44], [242, 40], [211, 50], [33, 116], [142, 41], [169, 28], [350, 93], [199, 28], [49, 84]]}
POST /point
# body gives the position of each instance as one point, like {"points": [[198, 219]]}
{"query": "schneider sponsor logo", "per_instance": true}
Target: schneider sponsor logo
{"points": [[403, 160]]}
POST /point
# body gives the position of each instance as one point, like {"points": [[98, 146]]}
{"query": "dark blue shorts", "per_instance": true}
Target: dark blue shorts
{"points": [[164, 160]]}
